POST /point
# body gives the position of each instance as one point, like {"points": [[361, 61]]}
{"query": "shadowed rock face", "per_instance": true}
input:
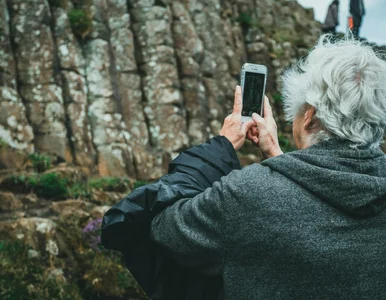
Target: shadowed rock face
{"points": [[144, 80]]}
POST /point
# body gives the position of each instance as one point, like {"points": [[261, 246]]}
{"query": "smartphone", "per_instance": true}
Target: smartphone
{"points": [[253, 79]]}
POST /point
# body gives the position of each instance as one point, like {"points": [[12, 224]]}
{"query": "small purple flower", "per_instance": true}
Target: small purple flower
{"points": [[92, 234], [93, 225]]}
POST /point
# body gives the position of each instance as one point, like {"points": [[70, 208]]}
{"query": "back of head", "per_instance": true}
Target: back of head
{"points": [[345, 81]]}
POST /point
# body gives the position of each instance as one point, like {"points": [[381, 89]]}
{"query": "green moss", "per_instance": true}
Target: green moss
{"points": [[3, 143], [79, 190], [32, 181], [88, 273], [51, 185], [23, 182], [110, 184], [245, 19], [81, 21], [107, 275], [22, 277], [102, 274], [40, 162], [139, 183], [284, 36], [18, 179]]}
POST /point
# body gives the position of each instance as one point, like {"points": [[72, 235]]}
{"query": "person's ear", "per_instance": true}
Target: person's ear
{"points": [[308, 120]]}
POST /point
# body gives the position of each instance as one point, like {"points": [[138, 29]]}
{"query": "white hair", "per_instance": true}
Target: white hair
{"points": [[345, 81]]}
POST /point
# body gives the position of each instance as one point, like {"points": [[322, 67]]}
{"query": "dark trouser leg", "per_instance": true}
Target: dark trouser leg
{"points": [[357, 25], [329, 30]]}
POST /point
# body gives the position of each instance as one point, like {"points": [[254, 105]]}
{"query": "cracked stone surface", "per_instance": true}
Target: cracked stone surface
{"points": [[147, 80]]}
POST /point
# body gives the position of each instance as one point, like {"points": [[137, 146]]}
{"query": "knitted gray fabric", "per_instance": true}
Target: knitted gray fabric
{"points": [[305, 225]]}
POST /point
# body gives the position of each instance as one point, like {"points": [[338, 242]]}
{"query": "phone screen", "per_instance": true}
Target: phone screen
{"points": [[253, 93]]}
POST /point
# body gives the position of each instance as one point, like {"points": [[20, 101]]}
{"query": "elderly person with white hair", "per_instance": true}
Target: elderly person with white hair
{"points": [[303, 225]]}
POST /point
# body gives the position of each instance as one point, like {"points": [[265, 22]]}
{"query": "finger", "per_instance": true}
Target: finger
{"points": [[259, 121], [247, 126], [254, 139], [254, 130], [267, 108], [250, 135], [238, 104]]}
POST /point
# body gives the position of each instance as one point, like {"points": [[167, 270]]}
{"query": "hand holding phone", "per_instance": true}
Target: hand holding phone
{"points": [[264, 134], [233, 128], [253, 81]]}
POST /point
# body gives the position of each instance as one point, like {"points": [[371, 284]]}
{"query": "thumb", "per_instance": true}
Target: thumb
{"points": [[247, 126]]}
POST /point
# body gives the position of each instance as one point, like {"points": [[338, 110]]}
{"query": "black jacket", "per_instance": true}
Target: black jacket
{"points": [[126, 226]]}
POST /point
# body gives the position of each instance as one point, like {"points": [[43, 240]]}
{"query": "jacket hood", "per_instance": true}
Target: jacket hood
{"points": [[352, 180]]}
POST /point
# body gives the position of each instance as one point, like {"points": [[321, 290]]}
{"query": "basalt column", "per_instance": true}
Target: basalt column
{"points": [[190, 52], [163, 103], [110, 135], [218, 82], [149, 162], [14, 128], [34, 53], [74, 83]]}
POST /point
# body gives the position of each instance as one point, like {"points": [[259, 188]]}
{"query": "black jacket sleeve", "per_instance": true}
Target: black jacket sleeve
{"points": [[126, 226]]}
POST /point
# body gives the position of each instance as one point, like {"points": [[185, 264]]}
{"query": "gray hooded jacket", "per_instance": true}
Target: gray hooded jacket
{"points": [[309, 224]]}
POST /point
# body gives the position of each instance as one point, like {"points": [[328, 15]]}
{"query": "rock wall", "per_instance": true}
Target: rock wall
{"points": [[119, 87]]}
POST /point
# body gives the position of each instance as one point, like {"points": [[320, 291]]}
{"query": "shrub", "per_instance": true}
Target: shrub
{"points": [[245, 19], [110, 184], [20, 183], [40, 162], [81, 22], [51, 185], [79, 190]]}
